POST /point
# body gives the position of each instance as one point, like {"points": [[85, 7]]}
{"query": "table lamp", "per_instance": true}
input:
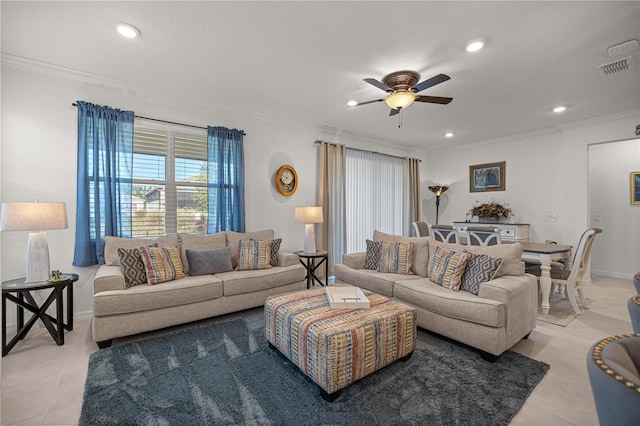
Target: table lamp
{"points": [[35, 217], [438, 190], [309, 216]]}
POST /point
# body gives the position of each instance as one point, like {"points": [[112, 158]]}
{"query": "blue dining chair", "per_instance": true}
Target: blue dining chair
{"points": [[636, 282], [613, 364], [633, 305]]}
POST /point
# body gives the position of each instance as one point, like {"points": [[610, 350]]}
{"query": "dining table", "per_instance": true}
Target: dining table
{"points": [[544, 254]]}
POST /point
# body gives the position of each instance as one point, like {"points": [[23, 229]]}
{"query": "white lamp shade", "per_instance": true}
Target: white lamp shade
{"points": [[399, 100], [308, 215], [33, 216]]}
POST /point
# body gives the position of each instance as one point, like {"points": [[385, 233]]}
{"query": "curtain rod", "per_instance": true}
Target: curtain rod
{"points": [[169, 122], [372, 152]]}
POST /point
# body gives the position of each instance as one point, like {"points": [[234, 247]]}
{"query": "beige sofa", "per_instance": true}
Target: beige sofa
{"points": [[503, 312], [120, 311]]}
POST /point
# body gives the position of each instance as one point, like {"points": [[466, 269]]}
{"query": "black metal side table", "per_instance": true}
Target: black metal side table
{"points": [[19, 292], [312, 261]]}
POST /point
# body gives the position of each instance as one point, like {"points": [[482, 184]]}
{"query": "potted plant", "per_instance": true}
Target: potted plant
{"points": [[490, 211]]}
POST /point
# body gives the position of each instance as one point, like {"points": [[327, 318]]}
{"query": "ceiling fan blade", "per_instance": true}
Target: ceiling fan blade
{"points": [[394, 112], [440, 78], [433, 99], [367, 102], [378, 84]]}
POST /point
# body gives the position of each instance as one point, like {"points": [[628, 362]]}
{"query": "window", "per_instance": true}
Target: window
{"points": [[374, 196], [169, 188]]}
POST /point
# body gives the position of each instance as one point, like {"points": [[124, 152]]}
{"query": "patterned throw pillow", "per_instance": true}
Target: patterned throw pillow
{"points": [[480, 269], [132, 266], [373, 255], [447, 268], [162, 264], [254, 254], [395, 257], [275, 249], [209, 262]]}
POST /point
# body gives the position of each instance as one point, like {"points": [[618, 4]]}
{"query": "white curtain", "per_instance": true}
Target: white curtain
{"points": [[331, 197], [374, 197]]}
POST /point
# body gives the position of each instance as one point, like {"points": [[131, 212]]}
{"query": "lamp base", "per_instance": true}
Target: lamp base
{"points": [[37, 258], [309, 238]]}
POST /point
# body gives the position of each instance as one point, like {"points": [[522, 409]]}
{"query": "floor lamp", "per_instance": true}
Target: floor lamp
{"points": [[35, 217], [309, 216], [438, 190]]}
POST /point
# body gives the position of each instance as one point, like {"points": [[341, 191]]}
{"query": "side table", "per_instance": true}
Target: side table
{"points": [[311, 261], [19, 292]]}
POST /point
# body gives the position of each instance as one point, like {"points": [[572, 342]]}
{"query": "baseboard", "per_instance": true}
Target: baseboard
{"points": [[612, 274]]}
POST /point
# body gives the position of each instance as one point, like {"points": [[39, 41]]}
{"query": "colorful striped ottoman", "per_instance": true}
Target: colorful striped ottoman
{"points": [[336, 347]]}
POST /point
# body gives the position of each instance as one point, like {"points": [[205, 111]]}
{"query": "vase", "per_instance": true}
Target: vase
{"points": [[489, 219]]}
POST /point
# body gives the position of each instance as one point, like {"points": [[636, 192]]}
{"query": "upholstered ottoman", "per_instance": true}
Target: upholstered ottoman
{"points": [[336, 347]]}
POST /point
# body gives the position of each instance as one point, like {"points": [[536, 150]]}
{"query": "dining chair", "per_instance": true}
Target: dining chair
{"points": [[483, 236], [445, 233], [571, 279], [633, 305], [636, 282], [421, 228], [613, 364]]}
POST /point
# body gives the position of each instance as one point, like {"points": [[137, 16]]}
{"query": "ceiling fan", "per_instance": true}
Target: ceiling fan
{"points": [[403, 89]]}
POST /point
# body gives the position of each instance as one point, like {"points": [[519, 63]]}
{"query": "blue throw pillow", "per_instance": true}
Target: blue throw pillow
{"points": [[208, 262]]}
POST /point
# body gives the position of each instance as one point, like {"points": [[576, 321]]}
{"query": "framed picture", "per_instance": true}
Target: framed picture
{"points": [[635, 187], [487, 177]]}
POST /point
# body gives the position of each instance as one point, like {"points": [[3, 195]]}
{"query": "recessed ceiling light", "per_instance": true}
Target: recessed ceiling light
{"points": [[475, 45], [560, 109], [449, 134], [352, 103], [127, 30]]}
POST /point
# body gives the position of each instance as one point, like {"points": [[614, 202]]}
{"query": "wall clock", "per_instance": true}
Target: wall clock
{"points": [[286, 180]]}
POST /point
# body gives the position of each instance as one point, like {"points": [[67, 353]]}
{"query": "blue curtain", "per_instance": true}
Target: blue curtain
{"points": [[105, 153], [226, 179]]}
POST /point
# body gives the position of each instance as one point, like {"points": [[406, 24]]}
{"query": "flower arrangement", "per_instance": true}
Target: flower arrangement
{"points": [[492, 209]]}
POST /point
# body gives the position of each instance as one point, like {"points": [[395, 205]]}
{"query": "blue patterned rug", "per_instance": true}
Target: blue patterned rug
{"points": [[223, 372]]}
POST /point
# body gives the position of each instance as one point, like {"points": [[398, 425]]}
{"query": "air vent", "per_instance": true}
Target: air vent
{"points": [[616, 67]]}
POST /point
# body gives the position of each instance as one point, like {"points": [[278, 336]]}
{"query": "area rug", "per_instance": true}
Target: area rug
{"points": [[560, 313], [223, 372]]}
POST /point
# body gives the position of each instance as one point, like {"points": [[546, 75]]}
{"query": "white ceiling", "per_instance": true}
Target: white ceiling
{"points": [[305, 60]]}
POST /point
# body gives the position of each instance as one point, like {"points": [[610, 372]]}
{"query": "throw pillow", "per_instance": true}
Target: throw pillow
{"points": [[254, 254], [162, 264], [447, 267], [373, 255], [275, 249], [396, 258], [208, 262], [132, 266], [480, 269]]}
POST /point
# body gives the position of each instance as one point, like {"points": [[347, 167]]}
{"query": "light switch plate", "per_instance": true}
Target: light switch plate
{"points": [[596, 218]]}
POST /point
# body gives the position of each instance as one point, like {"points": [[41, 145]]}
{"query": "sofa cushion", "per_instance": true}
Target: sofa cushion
{"points": [[480, 269], [132, 266], [146, 297], [234, 238], [162, 264], [460, 305], [208, 262], [112, 244], [420, 250], [510, 253], [254, 254], [199, 242], [372, 260], [275, 250], [250, 281], [447, 267], [396, 257], [380, 282]]}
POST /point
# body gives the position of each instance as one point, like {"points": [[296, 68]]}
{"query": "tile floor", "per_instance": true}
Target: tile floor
{"points": [[43, 384]]}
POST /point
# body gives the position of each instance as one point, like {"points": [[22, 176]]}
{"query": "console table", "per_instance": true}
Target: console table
{"points": [[508, 231]]}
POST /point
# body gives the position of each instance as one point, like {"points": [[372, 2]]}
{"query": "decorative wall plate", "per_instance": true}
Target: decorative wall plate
{"points": [[286, 180]]}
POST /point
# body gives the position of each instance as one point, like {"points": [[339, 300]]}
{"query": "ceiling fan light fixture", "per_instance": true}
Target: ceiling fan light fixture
{"points": [[400, 99]]}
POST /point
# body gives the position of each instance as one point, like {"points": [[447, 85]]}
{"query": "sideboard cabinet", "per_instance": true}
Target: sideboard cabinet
{"points": [[508, 231]]}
